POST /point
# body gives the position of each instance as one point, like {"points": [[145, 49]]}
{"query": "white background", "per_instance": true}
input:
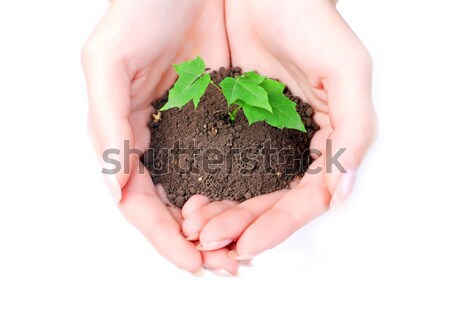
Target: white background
{"points": [[65, 248]]}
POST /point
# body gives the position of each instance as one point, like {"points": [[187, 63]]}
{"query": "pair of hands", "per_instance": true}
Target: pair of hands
{"points": [[304, 43]]}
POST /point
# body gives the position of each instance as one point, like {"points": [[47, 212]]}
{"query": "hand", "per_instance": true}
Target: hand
{"points": [[306, 44], [127, 63]]}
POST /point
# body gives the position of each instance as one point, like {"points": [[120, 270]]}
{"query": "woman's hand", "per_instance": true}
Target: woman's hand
{"points": [[306, 44], [127, 63]]}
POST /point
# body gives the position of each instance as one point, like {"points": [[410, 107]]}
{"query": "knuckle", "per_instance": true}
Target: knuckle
{"points": [[199, 217], [367, 128], [88, 51], [362, 143], [356, 61], [97, 50], [246, 214], [367, 133], [186, 227], [230, 203], [365, 59], [373, 131]]}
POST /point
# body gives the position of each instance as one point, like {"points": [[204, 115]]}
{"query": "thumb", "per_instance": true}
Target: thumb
{"points": [[353, 121], [108, 85]]}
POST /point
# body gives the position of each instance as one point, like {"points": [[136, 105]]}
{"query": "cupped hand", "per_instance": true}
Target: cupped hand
{"points": [[127, 63], [307, 45]]}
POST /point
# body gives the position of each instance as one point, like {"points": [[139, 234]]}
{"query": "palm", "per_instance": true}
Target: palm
{"points": [[128, 64], [160, 36], [153, 76], [307, 45], [285, 48]]}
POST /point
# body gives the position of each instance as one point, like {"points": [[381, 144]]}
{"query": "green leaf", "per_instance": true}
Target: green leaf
{"points": [[191, 84], [273, 87], [252, 77], [253, 114], [246, 89], [284, 114], [199, 88], [261, 99]]}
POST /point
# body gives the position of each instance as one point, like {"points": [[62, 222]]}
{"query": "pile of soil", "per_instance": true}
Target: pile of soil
{"points": [[202, 152]]}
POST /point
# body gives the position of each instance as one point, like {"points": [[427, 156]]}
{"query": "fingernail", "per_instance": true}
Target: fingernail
{"points": [[193, 237], [199, 273], [214, 245], [246, 263], [113, 187], [344, 189], [234, 255], [221, 272]]}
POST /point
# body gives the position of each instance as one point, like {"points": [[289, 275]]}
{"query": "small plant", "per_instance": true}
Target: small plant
{"points": [[260, 98]]}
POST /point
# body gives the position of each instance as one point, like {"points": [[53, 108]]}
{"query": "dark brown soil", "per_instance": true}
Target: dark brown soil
{"points": [[203, 152]]}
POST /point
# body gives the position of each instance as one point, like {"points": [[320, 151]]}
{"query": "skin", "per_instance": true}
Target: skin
{"points": [[316, 54], [127, 63]]}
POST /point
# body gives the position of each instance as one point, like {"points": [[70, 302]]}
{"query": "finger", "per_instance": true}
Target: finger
{"points": [[108, 85], [229, 225], [349, 141], [242, 262], [306, 201], [219, 262], [353, 118], [193, 224], [143, 208], [195, 202]]}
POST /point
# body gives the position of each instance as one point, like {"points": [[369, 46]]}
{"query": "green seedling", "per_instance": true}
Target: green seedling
{"points": [[259, 97]]}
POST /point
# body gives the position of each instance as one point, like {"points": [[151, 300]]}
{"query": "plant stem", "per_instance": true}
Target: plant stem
{"points": [[234, 113], [218, 87]]}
